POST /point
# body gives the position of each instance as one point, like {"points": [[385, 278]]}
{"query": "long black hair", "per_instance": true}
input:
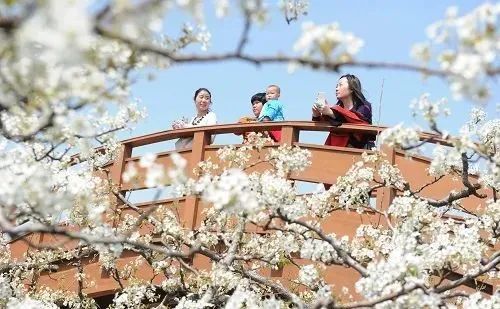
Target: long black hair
{"points": [[358, 97]]}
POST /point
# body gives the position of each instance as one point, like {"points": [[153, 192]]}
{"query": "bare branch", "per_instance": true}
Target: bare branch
{"points": [[244, 34], [324, 64], [493, 261], [436, 179], [278, 288], [465, 177], [371, 303], [344, 255], [455, 196]]}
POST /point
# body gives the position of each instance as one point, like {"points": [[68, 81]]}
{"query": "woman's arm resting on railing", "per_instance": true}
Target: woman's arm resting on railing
{"points": [[329, 117]]}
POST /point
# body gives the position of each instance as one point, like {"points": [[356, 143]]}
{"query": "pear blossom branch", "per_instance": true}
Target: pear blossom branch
{"points": [[91, 239], [489, 265], [455, 196], [316, 64], [435, 180], [465, 177], [26, 265], [260, 60], [273, 285], [372, 303], [344, 255]]}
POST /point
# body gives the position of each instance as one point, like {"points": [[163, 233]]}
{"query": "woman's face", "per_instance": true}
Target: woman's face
{"points": [[342, 90], [202, 101], [257, 107]]}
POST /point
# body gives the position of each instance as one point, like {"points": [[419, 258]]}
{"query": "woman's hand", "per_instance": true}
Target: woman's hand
{"points": [[316, 111], [178, 125], [327, 111]]}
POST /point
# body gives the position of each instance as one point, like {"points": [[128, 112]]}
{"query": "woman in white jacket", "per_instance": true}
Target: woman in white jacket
{"points": [[204, 117]]}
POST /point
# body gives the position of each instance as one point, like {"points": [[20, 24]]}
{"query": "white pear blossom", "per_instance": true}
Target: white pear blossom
{"points": [[221, 8], [134, 296], [400, 136], [445, 161], [294, 8], [66, 73], [29, 303], [288, 159], [428, 109], [467, 47], [231, 192], [328, 41], [309, 275]]}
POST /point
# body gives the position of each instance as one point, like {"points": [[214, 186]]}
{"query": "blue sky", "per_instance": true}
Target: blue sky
{"points": [[388, 28]]}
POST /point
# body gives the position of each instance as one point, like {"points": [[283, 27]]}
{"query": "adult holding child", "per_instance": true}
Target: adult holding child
{"points": [[257, 101], [204, 117], [273, 110], [352, 107]]}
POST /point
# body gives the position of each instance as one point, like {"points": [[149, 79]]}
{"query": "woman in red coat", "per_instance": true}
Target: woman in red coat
{"points": [[352, 107]]}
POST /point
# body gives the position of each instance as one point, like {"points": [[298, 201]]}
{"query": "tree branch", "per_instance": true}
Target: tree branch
{"points": [[344, 255], [325, 64], [244, 34]]}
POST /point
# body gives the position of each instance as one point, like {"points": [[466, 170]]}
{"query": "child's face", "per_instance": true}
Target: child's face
{"points": [[272, 93]]}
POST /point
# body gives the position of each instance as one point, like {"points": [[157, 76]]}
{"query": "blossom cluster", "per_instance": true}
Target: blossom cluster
{"points": [[327, 41], [65, 87], [467, 48]]}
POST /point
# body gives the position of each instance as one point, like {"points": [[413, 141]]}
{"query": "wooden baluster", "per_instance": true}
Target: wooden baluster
{"points": [[386, 195], [116, 172], [191, 212], [289, 135], [200, 141]]}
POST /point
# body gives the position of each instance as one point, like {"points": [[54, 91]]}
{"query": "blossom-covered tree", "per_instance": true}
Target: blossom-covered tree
{"points": [[65, 90]]}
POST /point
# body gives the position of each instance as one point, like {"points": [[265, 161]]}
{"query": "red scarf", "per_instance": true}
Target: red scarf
{"points": [[342, 139]]}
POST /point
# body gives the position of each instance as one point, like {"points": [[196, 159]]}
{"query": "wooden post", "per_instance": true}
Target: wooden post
{"points": [[386, 195], [118, 166], [116, 172], [289, 135], [191, 211], [200, 141]]}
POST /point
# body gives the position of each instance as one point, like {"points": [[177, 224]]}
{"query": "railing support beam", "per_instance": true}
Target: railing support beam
{"points": [[289, 135], [385, 195], [116, 172]]}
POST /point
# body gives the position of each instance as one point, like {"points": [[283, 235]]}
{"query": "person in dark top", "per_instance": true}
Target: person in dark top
{"points": [[352, 107], [257, 101]]}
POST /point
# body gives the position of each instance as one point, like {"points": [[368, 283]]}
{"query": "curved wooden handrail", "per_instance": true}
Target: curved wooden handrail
{"points": [[239, 128]]}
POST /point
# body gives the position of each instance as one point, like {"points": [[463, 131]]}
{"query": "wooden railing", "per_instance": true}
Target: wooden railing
{"points": [[327, 164], [290, 135]]}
